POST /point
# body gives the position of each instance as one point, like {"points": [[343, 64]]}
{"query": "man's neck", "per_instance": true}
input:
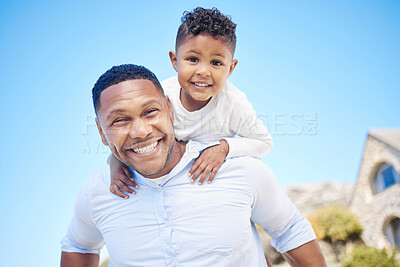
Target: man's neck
{"points": [[177, 151]]}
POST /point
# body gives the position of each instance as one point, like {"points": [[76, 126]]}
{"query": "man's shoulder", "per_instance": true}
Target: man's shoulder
{"points": [[99, 180], [247, 166]]}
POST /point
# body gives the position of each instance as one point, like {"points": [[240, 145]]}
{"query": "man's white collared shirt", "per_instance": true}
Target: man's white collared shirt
{"points": [[178, 223]]}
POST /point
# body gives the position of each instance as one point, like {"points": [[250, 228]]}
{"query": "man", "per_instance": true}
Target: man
{"points": [[170, 221]]}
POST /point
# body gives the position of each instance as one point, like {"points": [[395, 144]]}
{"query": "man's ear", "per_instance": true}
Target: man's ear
{"points": [[170, 110], [232, 66], [103, 137], [174, 60]]}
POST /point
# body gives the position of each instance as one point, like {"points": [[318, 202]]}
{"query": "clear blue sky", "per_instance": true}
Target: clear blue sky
{"points": [[319, 74]]}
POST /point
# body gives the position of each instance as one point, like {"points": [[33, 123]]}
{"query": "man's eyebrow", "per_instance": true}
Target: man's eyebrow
{"points": [[113, 112], [145, 104], [150, 102]]}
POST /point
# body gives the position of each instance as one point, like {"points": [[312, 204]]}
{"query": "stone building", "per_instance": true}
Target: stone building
{"points": [[376, 197]]}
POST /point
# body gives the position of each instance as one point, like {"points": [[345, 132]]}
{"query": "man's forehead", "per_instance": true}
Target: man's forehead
{"points": [[137, 85], [129, 90]]}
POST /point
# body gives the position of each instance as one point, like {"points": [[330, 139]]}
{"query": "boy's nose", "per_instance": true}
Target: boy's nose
{"points": [[203, 70]]}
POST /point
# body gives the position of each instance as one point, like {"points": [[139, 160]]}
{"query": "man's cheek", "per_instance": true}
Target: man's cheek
{"points": [[115, 134]]}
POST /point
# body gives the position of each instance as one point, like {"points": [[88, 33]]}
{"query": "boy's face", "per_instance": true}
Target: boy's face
{"points": [[203, 64]]}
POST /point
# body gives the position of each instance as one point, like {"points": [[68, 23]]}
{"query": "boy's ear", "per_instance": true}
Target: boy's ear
{"points": [[174, 60], [232, 66], [103, 137], [170, 109]]}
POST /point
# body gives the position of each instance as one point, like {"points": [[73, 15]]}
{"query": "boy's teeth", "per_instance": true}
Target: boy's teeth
{"points": [[201, 84], [145, 149]]}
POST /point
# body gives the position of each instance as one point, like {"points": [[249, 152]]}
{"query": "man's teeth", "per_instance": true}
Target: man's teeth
{"points": [[201, 84], [145, 149]]}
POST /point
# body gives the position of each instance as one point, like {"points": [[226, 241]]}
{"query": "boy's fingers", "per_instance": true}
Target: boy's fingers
{"points": [[115, 190], [134, 184], [128, 181], [213, 173], [127, 172], [205, 174], [126, 189], [197, 173], [194, 166]]}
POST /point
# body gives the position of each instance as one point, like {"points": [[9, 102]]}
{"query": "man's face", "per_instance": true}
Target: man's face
{"points": [[136, 122]]}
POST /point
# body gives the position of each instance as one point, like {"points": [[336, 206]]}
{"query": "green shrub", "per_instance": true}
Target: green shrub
{"points": [[334, 223], [364, 256]]}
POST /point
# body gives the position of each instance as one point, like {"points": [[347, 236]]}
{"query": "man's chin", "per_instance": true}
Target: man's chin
{"points": [[151, 172]]}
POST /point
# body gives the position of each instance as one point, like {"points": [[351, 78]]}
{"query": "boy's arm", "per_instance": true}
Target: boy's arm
{"points": [[121, 177], [209, 162], [256, 141]]}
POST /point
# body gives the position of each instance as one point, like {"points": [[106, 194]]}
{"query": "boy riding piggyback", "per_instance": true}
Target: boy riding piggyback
{"points": [[206, 106]]}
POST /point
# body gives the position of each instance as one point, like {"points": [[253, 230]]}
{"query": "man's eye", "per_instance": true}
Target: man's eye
{"points": [[192, 59], [150, 112], [216, 63], [120, 120]]}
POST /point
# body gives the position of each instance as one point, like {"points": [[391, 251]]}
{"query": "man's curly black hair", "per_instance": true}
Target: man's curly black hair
{"points": [[119, 74], [211, 21]]}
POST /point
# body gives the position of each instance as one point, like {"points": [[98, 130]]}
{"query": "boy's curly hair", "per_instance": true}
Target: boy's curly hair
{"points": [[211, 21]]}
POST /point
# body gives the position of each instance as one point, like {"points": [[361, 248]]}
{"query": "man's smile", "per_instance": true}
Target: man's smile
{"points": [[145, 149]]}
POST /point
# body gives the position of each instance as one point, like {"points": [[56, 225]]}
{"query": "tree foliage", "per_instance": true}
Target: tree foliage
{"points": [[335, 224], [364, 256]]}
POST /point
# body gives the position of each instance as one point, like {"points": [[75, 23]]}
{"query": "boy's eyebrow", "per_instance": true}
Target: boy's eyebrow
{"points": [[197, 52], [193, 51], [218, 55]]}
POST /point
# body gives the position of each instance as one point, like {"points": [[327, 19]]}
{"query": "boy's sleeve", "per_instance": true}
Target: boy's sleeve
{"points": [[82, 236], [255, 139], [274, 211]]}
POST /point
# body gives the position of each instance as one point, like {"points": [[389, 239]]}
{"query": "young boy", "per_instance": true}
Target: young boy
{"points": [[206, 107]]}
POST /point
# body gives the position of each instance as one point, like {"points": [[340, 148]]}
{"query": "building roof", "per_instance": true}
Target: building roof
{"points": [[390, 137]]}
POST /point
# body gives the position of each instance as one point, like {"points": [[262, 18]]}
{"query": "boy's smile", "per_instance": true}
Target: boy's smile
{"points": [[203, 63]]}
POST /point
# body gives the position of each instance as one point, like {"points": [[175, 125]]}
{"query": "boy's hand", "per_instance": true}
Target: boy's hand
{"points": [[210, 160], [121, 177]]}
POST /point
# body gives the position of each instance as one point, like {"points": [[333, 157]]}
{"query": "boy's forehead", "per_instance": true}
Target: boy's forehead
{"points": [[206, 35]]}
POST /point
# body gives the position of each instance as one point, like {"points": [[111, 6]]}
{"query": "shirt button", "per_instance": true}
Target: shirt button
{"points": [[166, 223]]}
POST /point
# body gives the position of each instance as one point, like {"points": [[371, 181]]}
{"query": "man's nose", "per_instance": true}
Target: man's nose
{"points": [[140, 129]]}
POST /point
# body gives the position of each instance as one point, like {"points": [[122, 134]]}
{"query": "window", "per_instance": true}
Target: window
{"points": [[385, 177], [393, 232]]}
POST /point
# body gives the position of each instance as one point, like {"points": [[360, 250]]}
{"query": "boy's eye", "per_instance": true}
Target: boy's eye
{"points": [[216, 63], [192, 59]]}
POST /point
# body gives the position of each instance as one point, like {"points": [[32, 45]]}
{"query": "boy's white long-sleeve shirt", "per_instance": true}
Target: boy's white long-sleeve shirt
{"points": [[227, 114]]}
